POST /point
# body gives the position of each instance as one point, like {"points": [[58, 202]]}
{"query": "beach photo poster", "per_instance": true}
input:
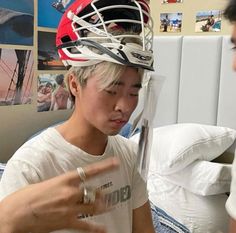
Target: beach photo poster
{"points": [[48, 58], [16, 76], [17, 22], [52, 93], [51, 11], [171, 22], [208, 21], [171, 1]]}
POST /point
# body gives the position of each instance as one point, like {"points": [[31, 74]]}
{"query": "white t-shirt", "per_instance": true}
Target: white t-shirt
{"points": [[231, 201], [49, 154]]}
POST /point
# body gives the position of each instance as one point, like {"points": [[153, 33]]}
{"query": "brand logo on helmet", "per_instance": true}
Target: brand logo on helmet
{"points": [[78, 9], [141, 57]]}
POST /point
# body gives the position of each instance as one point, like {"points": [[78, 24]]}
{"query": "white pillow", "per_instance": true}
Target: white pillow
{"points": [[176, 146], [203, 178]]}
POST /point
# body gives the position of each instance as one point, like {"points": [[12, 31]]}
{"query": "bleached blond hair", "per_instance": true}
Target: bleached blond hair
{"points": [[107, 73]]}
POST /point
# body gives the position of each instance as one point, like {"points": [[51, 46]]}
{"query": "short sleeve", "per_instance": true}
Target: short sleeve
{"points": [[17, 174], [139, 190]]}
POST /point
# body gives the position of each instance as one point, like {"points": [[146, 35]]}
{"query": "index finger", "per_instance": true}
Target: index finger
{"points": [[94, 169], [101, 167]]}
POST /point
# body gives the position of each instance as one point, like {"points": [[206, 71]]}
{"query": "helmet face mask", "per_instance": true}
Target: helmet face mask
{"points": [[87, 33]]}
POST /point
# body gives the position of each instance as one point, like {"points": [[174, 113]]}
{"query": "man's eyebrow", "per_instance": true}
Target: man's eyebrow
{"points": [[137, 85], [119, 83]]}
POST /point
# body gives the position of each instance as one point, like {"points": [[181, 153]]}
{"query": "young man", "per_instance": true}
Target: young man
{"points": [[107, 43], [230, 14]]}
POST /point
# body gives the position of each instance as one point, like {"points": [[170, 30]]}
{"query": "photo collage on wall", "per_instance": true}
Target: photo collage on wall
{"points": [[19, 47], [52, 93], [16, 63], [205, 21]]}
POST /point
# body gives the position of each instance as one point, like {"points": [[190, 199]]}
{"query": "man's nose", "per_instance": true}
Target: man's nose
{"points": [[124, 104]]}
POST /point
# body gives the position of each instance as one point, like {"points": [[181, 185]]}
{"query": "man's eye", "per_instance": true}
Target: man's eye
{"points": [[134, 94], [111, 92], [234, 48]]}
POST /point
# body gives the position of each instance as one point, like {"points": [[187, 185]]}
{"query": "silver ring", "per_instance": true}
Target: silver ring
{"points": [[89, 195], [81, 173]]}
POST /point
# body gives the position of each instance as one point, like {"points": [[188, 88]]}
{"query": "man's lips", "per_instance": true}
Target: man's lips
{"points": [[119, 121]]}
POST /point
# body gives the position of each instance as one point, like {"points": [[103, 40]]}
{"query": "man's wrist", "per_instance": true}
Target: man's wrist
{"points": [[6, 226], [8, 221]]}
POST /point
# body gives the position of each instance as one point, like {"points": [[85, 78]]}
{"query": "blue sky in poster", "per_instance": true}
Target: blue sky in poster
{"points": [[26, 6], [48, 16], [207, 13]]}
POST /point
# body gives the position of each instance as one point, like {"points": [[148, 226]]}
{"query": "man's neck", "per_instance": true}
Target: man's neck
{"points": [[90, 141]]}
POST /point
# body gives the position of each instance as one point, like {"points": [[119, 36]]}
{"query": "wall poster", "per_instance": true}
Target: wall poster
{"points": [[170, 22], [208, 21], [16, 22], [52, 93], [16, 69]]}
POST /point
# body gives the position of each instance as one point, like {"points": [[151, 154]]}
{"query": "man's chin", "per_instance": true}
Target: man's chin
{"points": [[113, 132]]}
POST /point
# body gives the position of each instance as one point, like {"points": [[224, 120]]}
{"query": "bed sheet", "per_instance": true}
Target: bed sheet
{"points": [[198, 213]]}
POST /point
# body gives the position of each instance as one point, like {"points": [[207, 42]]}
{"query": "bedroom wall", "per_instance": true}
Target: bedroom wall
{"points": [[188, 8], [19, 122]]}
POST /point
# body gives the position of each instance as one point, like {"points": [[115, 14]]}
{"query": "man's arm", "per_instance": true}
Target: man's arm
{"points": [[54, 204], [142, 219]]}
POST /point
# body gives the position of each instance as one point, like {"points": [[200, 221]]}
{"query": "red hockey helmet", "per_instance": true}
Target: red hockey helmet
{"points": [[76, 46]]}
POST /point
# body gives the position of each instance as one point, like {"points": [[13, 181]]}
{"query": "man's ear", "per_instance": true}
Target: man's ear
{"points": [[73, 84]]}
